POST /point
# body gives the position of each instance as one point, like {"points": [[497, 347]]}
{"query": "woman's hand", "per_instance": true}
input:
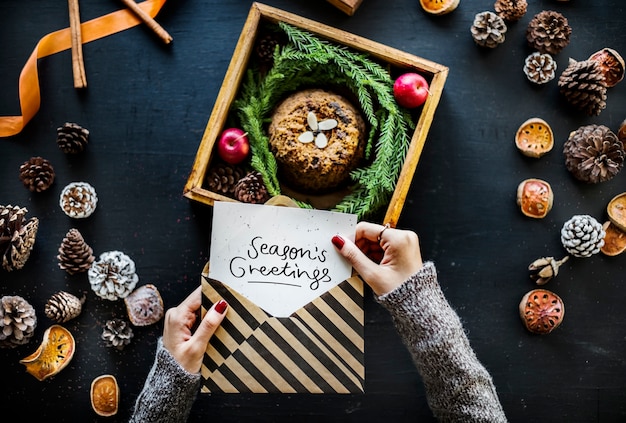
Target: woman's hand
{"points": [[384, 257], [187, 348]]}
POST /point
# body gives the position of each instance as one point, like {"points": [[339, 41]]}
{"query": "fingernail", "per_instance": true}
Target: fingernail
{"points": [[338, 241], [220, 307]]}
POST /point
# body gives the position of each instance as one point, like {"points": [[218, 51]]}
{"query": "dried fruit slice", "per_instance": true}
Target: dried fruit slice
{"points": [[439, 7], [144, 305], [54, 353], [617, 211], [534, 138], [105, 395], [614, 240], [535, 197], [541, 310], [611, 65]]}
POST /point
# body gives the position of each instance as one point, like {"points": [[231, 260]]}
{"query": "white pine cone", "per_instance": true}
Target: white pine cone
{"points": [[540, 68], [488, 29], [113, 275], [78, 200], [17, 321], [582, 236]]}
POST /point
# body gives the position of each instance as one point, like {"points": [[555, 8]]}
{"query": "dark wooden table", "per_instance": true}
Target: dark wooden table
{"points": [[146, 107]]}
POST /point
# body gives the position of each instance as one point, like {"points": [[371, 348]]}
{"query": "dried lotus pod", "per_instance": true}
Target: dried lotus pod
{"points": [[542, 311], [616, 210], [535, 197], [78, 200], [614, 240], [488, 29], [611, 65], [545, 269], [144, 305], [54, 353], [113, 275], [534, 137], [105, 395], [540, 68], [37, 174]]}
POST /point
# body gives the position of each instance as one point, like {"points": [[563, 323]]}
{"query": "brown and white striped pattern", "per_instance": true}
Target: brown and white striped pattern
{"points": [[318, 349]]}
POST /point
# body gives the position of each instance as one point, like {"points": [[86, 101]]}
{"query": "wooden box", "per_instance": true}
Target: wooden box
{"points": [[346, 6], [393, 59]]}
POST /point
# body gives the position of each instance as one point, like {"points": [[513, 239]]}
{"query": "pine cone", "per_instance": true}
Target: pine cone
{"points": [[78, 200], [17, 321], [593, 153], [117, 333], [72, 138], [113, 275], [37, 174], [582, 84], [265, 47], [75, 256], [582, 236], [488, 29], [17, 236], [251, 189], [548, 32], [63, 306], [511, 10], [540, 68], [222, 178]]}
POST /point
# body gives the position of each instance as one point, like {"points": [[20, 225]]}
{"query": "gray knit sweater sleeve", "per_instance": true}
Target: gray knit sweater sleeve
{"points": [[168, 393], [458, 387]]}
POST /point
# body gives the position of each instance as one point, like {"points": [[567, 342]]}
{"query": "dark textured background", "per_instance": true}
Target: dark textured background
{"points": [[147, 105]]}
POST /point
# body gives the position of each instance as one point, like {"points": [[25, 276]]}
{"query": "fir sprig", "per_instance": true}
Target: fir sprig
{"points": [[305, 61]]}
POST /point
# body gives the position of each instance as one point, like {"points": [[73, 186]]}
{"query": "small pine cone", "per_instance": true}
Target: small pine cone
{"points": [[17, 321], [548, 32], [593, 153], [510, 10], [113, 275], [117, 333], [75, 256], [17, 236], [582, 236], [78, 200], [265, 47], [72, 138], [37, 174], [488, 29], [63, 306], [582, 84], [222, 178], [251, 189], [540, 68]]}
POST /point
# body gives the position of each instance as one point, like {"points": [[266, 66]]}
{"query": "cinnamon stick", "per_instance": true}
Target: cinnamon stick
{"points": [[148, 20], [78, 64]]}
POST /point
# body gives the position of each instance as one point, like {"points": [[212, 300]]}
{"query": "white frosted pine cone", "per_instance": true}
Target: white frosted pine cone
{"points": [[78, 200], [582, 236], [113, 275]]}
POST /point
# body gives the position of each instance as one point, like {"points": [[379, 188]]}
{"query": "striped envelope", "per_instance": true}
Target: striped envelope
{"points": [[318, 349]]}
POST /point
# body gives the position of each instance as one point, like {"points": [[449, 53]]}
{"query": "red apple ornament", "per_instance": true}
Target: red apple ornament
{"points": [[233, 145], [410, 90]]}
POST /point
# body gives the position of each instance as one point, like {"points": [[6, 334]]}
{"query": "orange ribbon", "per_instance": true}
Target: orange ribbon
{"points": [[58, 41]]}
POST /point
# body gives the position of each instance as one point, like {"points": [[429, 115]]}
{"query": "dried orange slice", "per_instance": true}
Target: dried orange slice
{"points": [[439, 7], [54, 353], [614, 240], [617, 211], [611, 65], [541, 310], [105, 395], [535, 197], [534, 138]]}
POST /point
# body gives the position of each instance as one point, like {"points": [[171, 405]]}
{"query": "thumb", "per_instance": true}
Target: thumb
{"points": [[359, 261], [210, 322]]}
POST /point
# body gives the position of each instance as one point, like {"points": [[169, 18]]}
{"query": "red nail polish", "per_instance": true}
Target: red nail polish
{"points": [[338, 241], [220, 307]]}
